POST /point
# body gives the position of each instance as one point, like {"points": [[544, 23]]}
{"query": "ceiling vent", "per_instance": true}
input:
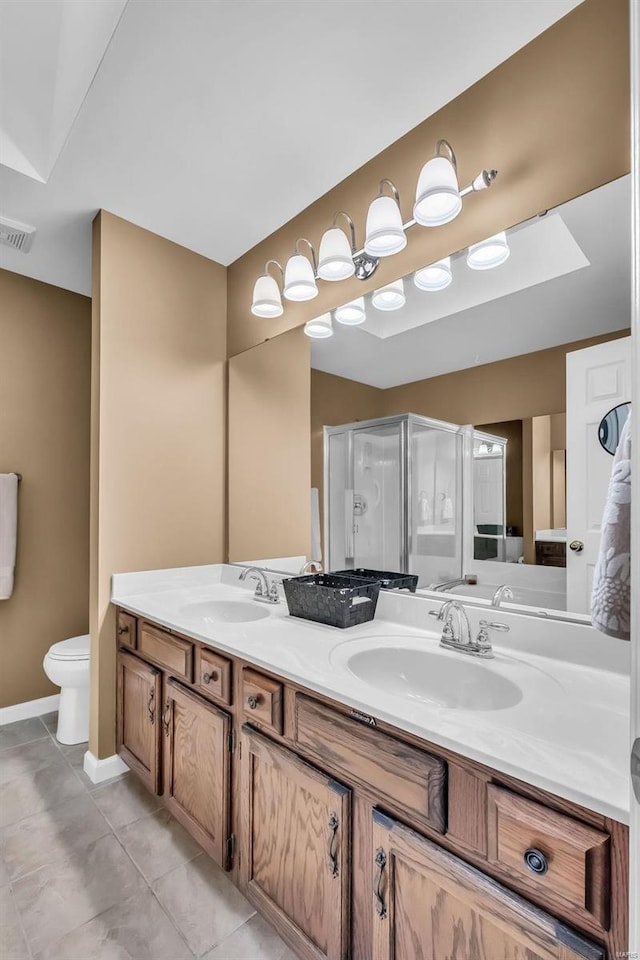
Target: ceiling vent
{"points": [[17, 235]]}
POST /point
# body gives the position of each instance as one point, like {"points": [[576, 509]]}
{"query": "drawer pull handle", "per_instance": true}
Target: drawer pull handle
{"points": [[122, 630], [166, 716], [254, 701], [536, 861], [151, 706], [209, 677], [380, 862], [332, 844]]}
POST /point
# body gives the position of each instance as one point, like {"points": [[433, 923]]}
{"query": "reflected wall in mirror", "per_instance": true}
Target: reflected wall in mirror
{"points": [[529, 356]]}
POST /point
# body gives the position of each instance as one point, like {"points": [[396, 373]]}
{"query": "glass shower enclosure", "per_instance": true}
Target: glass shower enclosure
{"points": [[393, 496]]}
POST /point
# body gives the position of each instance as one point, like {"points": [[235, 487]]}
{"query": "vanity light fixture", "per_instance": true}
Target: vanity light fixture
{"points": [[335, 257], [438, 200], [351, 314], [436, 276], [488, 253], [320, 328], [300, 274], [385, 231], [267, 301], [389, 297]]}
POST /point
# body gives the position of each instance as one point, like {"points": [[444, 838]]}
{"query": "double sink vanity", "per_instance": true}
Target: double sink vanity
{"points": [[357, 784]]}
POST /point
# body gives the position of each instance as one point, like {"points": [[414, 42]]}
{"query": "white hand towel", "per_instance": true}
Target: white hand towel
{"points": [[611, 595], [8, 531]]}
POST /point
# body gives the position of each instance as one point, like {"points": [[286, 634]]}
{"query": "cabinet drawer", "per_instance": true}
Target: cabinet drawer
{"points": [[126, 630], [162, 648], [550, 854], [411, 779], [213, 674], [262, 700]]}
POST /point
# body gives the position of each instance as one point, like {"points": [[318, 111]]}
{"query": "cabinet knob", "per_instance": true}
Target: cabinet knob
{"points": [[536, 861], [122, 630], [254, 701], [576, 545], [209, 677]]}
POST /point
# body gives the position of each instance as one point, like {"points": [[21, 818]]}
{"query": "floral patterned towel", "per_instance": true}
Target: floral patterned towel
{"points": [[611, 596]]}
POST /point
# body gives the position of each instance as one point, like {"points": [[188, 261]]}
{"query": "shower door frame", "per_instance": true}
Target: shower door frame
{"points": [[404, 421]]}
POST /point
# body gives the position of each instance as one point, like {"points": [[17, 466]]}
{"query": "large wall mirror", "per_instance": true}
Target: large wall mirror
{"points": [[455, 414]]}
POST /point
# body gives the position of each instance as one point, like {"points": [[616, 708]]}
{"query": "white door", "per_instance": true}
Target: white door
{"points": [[598, 378]]}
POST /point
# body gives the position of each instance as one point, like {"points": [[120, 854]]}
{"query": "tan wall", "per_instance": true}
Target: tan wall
{"points": [[526, 386], [553, 119], [269, 450], [45, 364], [158, 425]]}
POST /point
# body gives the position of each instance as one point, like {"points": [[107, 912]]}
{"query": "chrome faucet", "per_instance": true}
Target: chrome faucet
{"points": [[456, 631], [263, 593], [502, 593], [468, 579], [311, 566]]}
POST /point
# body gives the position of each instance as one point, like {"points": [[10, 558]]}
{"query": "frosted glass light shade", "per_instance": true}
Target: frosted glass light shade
{"points": [[299, 279], [389, 297], [385, 233], [438, 197], [320, 328], [335, 260], [436, 276], [488, 253], [351, 314], [266, 298]]}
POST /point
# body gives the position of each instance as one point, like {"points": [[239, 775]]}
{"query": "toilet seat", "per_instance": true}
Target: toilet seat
{"points": [[75, 648]]}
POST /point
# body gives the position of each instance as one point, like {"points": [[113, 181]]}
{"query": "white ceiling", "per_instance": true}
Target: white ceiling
{"points": [[213, 122], [589, 298]]}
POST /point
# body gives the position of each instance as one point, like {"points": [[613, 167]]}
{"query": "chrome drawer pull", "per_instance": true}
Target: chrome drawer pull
{"points": [[254, 702], [536, 861], [209, 677]]}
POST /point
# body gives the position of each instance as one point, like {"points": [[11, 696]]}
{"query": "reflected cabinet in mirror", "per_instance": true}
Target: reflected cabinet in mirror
{"points": [[462, 418]]}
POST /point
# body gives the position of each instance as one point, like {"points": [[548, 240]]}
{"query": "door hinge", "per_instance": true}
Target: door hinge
{"points": [[231, 741], [231, 849]]}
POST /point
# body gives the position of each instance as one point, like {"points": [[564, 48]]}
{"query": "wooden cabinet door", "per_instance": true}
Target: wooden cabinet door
{"points": [[428, 904], [138, 718], [197, 767], [294, 861]]}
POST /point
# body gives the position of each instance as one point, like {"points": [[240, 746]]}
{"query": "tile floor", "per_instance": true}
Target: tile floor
{"points": [[104, 872]]}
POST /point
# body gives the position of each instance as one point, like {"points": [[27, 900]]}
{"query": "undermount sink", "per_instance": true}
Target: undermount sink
{"points": [[446, 681], [225, 611]]}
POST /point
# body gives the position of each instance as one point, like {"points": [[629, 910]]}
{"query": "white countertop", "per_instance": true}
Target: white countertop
{"points": [[568, 734]]}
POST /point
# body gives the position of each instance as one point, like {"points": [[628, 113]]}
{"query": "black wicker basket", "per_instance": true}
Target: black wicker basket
{"points": [[337, 601], [386, 579]]}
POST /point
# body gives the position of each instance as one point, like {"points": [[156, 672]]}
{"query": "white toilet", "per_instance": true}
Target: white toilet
{"points": [[67, 665]]}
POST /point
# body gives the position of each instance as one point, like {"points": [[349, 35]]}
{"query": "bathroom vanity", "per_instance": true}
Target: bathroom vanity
{"points": [[345, 830]]}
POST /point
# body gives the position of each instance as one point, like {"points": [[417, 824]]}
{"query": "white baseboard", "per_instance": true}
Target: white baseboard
{"points": [[100, 770], [32, 708]]}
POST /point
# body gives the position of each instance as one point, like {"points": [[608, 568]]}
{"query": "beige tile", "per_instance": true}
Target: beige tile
{"points": [[254, 940], [23, 731], [203, 903], [13, 945], [4, 874], [137, 929], [33, 792], [56, 899], [28, 758], [55, 834], [125, 800], [157, 844]]}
